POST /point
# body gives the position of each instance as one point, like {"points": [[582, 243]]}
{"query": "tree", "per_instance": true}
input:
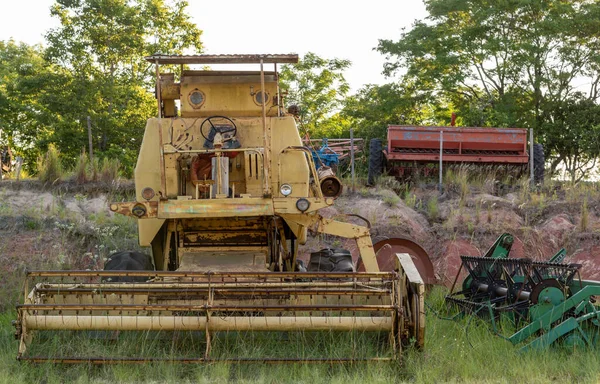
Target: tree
{"points": [[501, 63], [374, 107], [100, 45], [575, 135], [318, 87], [21, 122]]}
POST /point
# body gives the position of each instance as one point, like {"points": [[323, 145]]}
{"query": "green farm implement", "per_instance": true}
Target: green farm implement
{"points": [[546, 301]]}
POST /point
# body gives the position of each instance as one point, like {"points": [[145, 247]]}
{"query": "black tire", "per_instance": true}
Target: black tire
{"points": [[331, 260], [375, 161], [128, 261], [539, 163]]}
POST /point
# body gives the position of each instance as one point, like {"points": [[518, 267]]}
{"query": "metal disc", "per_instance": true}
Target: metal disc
{"points": [[546, 283], [385, 251]]}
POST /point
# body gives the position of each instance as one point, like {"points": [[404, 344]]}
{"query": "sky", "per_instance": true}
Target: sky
{"points": [[330, 28]]}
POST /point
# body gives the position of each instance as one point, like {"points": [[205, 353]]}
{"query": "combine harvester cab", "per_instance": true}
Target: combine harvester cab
{"points": [[225, 194]]}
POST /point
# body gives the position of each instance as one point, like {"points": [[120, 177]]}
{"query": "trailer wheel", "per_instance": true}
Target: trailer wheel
{"points": [[539, 162], [375, 161]]}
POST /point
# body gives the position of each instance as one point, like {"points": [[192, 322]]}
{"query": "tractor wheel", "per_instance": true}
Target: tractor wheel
{"points": [[128, 261], [538, 163], [375, 161]]}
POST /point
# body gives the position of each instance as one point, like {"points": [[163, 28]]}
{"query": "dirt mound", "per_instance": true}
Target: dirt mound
{"points": [[584, 249], [91, 188], [47, 204], [557, 229], [388, 217], [447, 266], [467, 226], [447, 226]]}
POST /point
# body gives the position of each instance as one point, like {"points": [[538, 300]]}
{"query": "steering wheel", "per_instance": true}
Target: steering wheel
{"points": [[217, 129]]}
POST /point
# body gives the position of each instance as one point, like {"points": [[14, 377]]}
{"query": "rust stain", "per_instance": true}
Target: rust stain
{"points": [[173, 209]]}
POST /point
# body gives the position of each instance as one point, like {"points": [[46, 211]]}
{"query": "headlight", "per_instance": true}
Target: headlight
{"points": [[302, 205], [285, 189], [139, 210], [147, 193]]}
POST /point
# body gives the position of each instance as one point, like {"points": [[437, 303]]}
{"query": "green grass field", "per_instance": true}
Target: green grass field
{"points": [[456, 351]]}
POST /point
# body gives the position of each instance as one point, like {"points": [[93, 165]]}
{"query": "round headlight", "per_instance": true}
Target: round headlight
{"points": [[285, 189], [302, 205], [196, 98], [260, 97], [147, 193], [139, 210]]}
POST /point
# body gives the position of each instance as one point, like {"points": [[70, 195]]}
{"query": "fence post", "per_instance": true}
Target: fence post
{"points": [[352, 158], [531, 179], [441, 155], [1, 173], [89, 127], [18, 168]]}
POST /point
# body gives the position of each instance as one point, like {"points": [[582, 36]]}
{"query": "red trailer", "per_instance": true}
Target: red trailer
{"points": [[460, 145], [411, 147]]}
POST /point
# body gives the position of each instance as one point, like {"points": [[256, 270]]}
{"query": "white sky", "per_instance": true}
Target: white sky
{"points": [[330, 28]]}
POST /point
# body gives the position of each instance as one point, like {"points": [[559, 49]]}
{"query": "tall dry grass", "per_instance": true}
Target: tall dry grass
{"points": [[50, 168]]}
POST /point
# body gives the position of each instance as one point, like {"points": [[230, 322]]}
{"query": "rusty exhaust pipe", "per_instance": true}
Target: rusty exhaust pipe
{"points": [[331, 186]]}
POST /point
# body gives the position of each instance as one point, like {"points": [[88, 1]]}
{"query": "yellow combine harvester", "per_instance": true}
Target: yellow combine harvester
{"points": [[225, 194]]}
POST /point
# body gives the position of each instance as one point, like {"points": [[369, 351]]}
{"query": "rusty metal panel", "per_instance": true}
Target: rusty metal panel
{"points": [[225, 77], [181, 209], [237, 236], [430, 157]]}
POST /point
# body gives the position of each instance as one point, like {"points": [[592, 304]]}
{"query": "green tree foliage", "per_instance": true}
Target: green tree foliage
{"points": [[502, 63], [21, 114], [100, 47], [574, 134], [318, 87], [374, 107]]}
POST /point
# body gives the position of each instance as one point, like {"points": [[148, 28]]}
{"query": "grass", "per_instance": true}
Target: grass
{"points": [[409, 197], [391, 199], [80, 172], [50, 169], [455, 351], [433, 209], [458, 180], [109, 170]]}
